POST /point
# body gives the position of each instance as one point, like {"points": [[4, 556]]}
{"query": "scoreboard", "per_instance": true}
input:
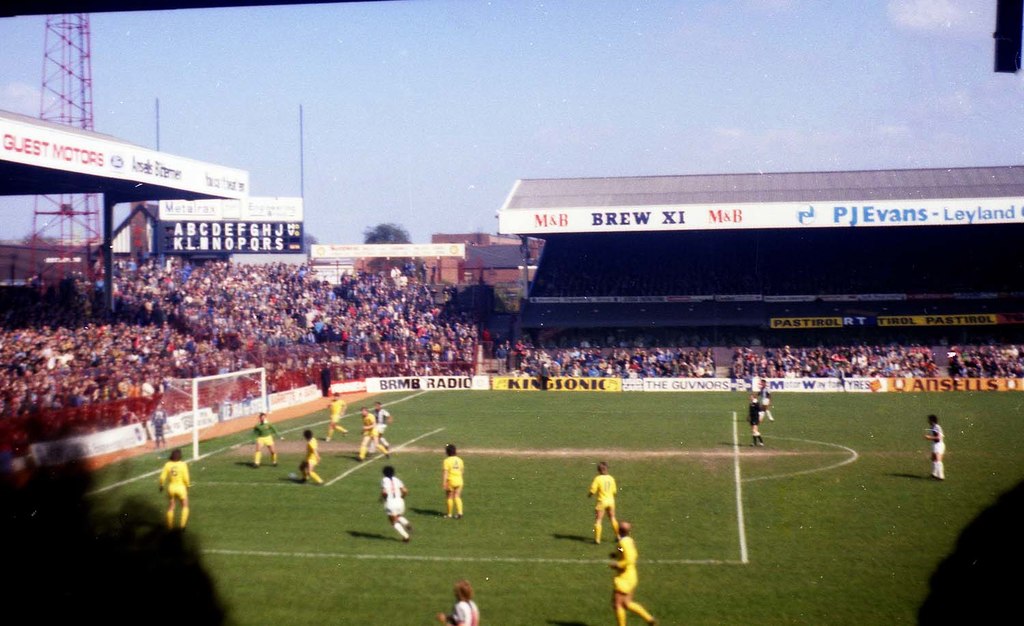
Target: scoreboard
{"points": [[223, 227], [234, 237]]}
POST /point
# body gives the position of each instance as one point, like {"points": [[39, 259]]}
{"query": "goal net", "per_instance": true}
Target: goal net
{"points": [[192, 404]]}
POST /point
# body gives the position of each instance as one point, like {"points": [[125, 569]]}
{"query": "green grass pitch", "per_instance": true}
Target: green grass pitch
{"points": [[833, 522]]}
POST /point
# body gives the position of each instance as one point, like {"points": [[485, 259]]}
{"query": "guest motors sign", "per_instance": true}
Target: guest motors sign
{"points": [[29, 142], [189, 237]]}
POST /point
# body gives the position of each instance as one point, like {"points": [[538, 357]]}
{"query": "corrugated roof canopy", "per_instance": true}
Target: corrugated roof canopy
{"points": [[967, 182]]}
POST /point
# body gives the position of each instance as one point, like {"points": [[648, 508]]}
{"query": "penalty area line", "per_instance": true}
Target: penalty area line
{"points": [[363, 464], [234, 446], [450, 558]]}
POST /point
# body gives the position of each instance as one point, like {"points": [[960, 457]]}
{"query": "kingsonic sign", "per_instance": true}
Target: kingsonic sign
{"points": [[49, 147], [837, 214]]}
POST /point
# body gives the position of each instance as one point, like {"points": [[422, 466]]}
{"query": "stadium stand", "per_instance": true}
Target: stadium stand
{"points": [[727, 302], [71, 368]]}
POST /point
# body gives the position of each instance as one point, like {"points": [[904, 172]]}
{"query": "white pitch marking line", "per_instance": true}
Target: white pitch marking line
{"points": [[449, 558], [739, 490], [374, 458], [352, 414], [233, 446], [853, 457]]}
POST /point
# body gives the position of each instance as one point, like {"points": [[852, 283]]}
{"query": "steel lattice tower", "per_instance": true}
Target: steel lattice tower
{"points": [[68, 225]]}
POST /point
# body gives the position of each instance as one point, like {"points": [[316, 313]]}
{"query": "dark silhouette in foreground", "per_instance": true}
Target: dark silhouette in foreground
{"points": [[977, 583], [72, 561]]}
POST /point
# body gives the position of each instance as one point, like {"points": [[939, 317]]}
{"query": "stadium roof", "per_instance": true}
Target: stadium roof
{"points": [[536, 205], [967, 182], [42, 158], [52, 7]]}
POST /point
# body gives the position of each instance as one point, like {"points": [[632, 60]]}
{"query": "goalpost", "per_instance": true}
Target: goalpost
{"points": [[207, 400]]}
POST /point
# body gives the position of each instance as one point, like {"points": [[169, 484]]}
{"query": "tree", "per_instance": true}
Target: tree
{"points": [[386, 233]]}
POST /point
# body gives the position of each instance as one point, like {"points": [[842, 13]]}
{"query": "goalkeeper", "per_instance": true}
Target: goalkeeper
{"points": [[265, 433]]}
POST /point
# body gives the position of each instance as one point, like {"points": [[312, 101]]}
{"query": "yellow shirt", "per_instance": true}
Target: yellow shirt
{"points": [[626, 577], [337, 408], [369, 425], [175, 475], [312, 456], [627, 556], [603, 486], [453, 468]]}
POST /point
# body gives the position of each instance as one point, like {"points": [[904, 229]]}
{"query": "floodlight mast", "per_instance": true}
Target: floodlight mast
{"points": [[65, 227]]}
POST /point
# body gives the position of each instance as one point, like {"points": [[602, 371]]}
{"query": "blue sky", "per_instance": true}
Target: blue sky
{"points": [[424, 113]]}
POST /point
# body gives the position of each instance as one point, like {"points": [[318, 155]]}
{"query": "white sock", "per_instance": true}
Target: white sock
{"points": [[403, 521], [935, 469], [941, 471], [401, 530]]}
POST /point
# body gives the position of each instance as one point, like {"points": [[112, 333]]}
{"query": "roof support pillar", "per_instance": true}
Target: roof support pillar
{"points": [[108, 251]]}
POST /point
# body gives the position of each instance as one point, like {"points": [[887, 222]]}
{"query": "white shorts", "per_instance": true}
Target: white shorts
{"points": [[394, 506], [939, 447], [381, 428]]}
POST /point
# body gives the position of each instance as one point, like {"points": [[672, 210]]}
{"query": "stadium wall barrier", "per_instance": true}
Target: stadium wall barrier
{"points": [[279, 400], [955, 384], [181, 423], [821, 385], [293, 397], [85, 446], [417, 383], [234, 410], [557, 383], [349, 386], [680, 384]]}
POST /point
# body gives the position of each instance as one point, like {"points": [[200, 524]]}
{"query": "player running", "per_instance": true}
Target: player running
{"points": [[308, 466], [392, 494], [337, 408], [371, 435], [626, 580], [384, 419]]}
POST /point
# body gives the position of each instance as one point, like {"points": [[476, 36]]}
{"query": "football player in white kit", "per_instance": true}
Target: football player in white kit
{"points": [[465, 611], [392, 493], [764, 398], [935, 435], [383, 418]]}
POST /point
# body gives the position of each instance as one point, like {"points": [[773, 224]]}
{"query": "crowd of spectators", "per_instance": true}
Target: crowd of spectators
{"points": [[836, 361], [522, 358], [61, 351], [995, 361]]}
